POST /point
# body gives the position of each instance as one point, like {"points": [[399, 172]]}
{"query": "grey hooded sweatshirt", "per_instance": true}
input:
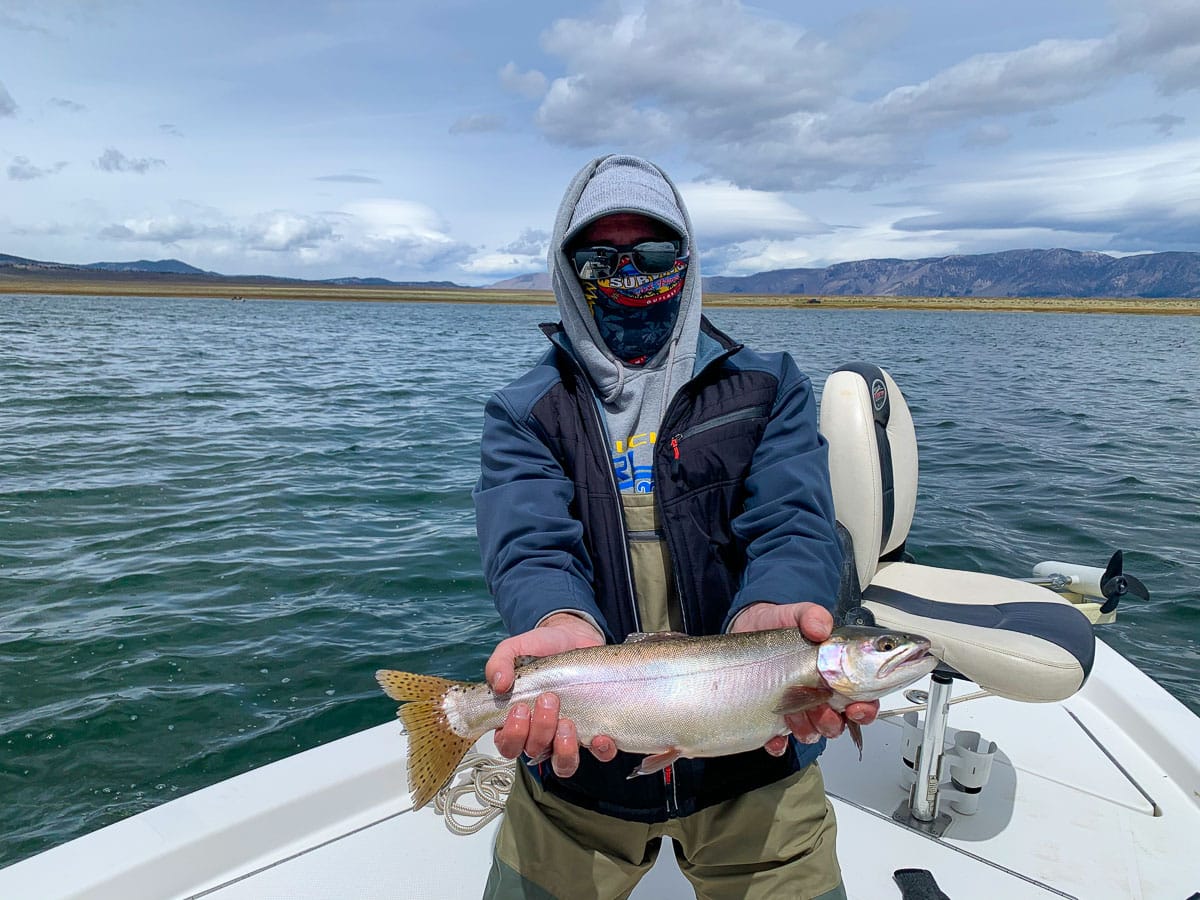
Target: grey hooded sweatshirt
{"points": [[634, 399]]}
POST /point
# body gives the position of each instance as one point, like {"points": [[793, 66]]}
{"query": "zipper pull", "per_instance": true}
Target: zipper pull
{"points": [[675, 455]]}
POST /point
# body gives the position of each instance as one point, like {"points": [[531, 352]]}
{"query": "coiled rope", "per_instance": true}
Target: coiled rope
{"points": [[469, 804]]}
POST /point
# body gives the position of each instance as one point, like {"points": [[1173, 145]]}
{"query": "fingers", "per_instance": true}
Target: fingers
{"points": [[827, 722], [512, 735], [813, 724], [777, 746], [538, 730], [560, 633], [802, 728], [543, 724], [863, 713], [603, 748], [566, 749], [815, 621], [530, 730], [500, 669]]}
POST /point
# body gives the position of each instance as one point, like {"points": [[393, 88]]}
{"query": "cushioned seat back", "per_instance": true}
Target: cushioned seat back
{"points": [[872, 461]]}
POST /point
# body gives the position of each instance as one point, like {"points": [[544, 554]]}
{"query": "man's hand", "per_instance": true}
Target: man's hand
{"points": [[540, 731], [816, 624]]}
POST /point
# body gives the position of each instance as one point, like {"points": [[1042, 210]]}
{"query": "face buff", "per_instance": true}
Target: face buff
{"points": [[635, 313]]}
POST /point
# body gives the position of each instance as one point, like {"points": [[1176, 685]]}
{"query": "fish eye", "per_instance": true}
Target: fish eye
{"points": [[886, 644]]}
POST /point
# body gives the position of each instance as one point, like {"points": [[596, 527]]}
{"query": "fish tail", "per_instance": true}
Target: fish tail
{"points": [[434, 750], [407, 687]]}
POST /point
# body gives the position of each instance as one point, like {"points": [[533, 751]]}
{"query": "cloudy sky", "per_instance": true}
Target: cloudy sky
{"points": [[432, 140]]}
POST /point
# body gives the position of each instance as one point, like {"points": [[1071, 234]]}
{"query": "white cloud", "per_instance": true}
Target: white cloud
{"points": [[989, 134], [531, 242], [169, 229], [68, 105], [113, 160], [478, 123], [500, 265], [723, 213], [21, 169], [1165, 123], [1048, 73], [766, 104], [281, 231], [348, 178], [1133, 199], [389, 237], [531, 84], [8, 106]]}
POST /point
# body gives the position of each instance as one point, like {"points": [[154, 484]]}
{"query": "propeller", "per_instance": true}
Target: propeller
{"points": [[1115, 584]]}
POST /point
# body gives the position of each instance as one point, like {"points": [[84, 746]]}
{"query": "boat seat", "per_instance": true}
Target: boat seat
{"points": [[1016, 639]]}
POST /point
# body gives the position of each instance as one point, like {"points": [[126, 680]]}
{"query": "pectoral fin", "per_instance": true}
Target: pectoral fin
{"points": [[856, 735], [656, 763], [799, 697]]}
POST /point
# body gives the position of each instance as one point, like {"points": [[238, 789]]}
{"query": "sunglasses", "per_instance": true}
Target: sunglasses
{"points": [[648, 257]]}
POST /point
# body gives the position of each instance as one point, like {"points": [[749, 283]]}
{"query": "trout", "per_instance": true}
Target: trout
{"points": [[664, 695]]}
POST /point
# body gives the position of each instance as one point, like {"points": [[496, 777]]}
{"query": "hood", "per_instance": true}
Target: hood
{"points": [[611, 184]]}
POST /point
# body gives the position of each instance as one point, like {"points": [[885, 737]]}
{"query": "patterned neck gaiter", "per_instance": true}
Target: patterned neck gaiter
{"points": [[636, 313]]}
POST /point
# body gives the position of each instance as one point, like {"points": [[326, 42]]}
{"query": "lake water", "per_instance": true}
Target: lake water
{"points": [[218, 519]]}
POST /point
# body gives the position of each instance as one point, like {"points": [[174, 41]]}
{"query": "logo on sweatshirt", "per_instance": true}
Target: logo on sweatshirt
{"points": [[630, 476]]}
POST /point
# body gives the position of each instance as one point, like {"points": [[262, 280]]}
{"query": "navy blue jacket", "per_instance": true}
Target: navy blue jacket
{"points": [[742, 486]]}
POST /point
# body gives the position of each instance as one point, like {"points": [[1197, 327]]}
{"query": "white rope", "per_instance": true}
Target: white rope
{"points": [[490, 781], [921, 706]]}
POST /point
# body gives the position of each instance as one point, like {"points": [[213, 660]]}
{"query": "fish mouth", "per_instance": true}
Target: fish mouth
{"points": [[917, 653]]}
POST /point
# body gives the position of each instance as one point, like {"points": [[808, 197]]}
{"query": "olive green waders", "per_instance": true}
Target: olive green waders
{"points": [[774, 842]]}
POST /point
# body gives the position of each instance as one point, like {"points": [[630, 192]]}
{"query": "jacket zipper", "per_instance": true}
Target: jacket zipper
{"points": [[670, 782], [738, 415], [606, 456], [750, 412]]}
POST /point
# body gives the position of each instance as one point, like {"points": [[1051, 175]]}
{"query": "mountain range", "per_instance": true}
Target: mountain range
{"points": [[1011, 273], [174, 270]]}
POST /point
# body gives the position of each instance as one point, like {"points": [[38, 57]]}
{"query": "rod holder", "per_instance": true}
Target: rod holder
{"points": [[922, 749], [924, 795], [970, 764]]}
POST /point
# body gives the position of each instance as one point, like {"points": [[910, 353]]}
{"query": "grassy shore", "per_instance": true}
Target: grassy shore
{"points": [[252, 291]]}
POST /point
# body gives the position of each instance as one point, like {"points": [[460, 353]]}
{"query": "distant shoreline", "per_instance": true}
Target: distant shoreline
{"points": [[228, 291]]}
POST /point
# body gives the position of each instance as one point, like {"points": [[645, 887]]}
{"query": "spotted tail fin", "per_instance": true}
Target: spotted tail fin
{"points": [[434, 750]]}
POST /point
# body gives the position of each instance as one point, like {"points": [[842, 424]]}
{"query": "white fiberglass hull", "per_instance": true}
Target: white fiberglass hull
{"points": [[1094, 797]]}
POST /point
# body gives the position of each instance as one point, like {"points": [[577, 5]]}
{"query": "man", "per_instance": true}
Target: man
{"points": [[650, 474]]}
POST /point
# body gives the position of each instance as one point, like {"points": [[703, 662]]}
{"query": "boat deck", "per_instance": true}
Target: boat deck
{"points": [[1098, 796]]}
